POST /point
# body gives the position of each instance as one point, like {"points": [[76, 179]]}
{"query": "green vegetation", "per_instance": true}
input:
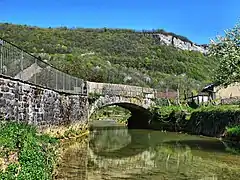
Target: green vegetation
{"points": [[115, 56], [209, 120], [116, 113], [226, 49], [170, 118], [233, 131], [24, 154], [231, 138]]}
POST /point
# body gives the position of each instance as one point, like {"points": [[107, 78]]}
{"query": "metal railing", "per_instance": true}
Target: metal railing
{"points": [[19, 64]]}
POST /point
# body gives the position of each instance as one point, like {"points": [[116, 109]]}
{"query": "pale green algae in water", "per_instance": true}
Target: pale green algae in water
{"points": [[119, 153]]}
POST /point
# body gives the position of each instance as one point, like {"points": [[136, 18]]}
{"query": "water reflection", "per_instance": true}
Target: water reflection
{"points": [[158, 155], [119, 153], [200, 144], [118, 143]]}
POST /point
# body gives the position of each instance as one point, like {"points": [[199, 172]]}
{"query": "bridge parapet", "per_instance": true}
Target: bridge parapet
{"points": [[21, 65], [120, 90]]}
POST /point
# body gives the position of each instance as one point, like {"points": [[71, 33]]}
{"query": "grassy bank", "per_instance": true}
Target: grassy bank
{"points": [[209, 120], [27, 154]]}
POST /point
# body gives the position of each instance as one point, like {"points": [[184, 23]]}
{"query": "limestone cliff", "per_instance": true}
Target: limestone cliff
{"points": [[178, 43]]}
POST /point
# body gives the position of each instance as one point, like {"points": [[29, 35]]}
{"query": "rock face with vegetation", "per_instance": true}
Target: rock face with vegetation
{"points": [[178, 42], [119, 56]]}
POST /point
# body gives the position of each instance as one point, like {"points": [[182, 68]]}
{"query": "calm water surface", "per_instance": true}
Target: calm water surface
{"points": [[118, 153]]}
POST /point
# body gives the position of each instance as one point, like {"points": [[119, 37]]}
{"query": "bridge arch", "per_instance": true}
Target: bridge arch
{"points": [[139, 108]]}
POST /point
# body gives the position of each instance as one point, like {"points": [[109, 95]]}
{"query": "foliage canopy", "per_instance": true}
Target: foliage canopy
{"points": [[114, 56], [227, 50]]}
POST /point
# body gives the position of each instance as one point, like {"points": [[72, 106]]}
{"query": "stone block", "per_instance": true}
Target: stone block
{"points": [[4, 88], [9, 96]]}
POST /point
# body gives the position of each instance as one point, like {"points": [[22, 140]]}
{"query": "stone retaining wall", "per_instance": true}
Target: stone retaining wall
{"points": [[42, 107], [24, 102]]}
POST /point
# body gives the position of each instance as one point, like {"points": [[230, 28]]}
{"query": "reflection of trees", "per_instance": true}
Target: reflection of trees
{"points": [[109, 140], [203, 145], [105, 141], [159, 158], [172, 156]]}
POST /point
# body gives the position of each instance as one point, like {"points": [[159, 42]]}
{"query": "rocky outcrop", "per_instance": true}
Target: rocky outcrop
{"points": [[178, 43]]}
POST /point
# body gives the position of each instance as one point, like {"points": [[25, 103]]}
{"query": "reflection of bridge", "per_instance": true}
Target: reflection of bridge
{"points": [[154, 154], [136, 144], [35, 92]]}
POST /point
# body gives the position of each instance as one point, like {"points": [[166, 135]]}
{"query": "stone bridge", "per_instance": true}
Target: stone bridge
{"points": [[136, 99], [39, 94]]}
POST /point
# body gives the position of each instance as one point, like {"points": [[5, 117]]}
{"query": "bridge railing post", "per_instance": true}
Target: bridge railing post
{"points": [[64, 80], [35, 75], [1, 56], [50, 77], [21, 64], [69, 82], [76, 86], [56, 79]]}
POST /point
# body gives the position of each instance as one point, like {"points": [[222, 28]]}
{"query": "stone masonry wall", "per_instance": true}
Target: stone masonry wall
{"points": [[129, 103], [120, 90], [38, 106]]}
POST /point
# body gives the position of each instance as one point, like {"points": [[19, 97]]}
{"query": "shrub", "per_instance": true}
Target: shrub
{"points": [[34, 154]]}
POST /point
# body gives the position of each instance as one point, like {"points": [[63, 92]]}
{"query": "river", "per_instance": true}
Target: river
{"points": [[113, 152]]}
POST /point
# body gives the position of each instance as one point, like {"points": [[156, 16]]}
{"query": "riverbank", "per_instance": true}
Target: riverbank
{"points": [[26, 153], [213, 121]]}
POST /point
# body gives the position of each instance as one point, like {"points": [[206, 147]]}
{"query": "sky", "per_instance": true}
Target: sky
{"points": [[198, 20]]}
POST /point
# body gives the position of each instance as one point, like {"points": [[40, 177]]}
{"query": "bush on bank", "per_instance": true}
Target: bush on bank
{"points": [[232, 134], [24, 154], [233, 131], [206, 120], [170, 118], [213, 120]]}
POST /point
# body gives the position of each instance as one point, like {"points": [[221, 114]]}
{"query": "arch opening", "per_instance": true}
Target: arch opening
{"points": [[138, 117]]}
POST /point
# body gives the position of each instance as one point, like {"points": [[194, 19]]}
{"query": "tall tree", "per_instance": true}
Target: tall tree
{"points": [[227, 51]]}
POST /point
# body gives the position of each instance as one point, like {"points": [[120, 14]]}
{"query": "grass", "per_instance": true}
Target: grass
{"points": [[27, 154], [24, 153], [67, 132], [235, 130]]}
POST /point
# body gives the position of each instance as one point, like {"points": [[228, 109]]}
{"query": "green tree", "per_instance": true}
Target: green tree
{"points": [[227, 51]]}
